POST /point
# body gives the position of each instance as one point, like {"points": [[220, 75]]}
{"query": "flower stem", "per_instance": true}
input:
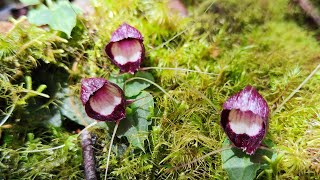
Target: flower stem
{"points": [[109, 152], [151, 82], [130, 101], [176, 69]]}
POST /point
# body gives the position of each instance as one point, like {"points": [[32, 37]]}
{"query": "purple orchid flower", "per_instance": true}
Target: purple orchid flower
{"points": [[126, 49], [103, 100], [244, 119]]}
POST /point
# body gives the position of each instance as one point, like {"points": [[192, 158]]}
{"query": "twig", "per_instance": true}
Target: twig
{"points": [[28, 44], [7, 116], [36, 92], [151, 82], [309, 9], [297, 89], [42, 150], [88, 156], [176, 69], [61, 146]]}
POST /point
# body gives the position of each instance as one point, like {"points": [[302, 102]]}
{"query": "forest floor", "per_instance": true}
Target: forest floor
{"points": [[272, 46]]}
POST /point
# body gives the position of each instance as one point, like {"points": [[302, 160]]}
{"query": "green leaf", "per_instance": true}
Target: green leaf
{"points": [[119, 79], [133, 88], [64, 17], [46, 116], [40, 16], [135, 126], [61, 16], [30, 2], [55, 119], [238, 164]]}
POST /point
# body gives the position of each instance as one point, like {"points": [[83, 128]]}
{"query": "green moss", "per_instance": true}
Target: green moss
{"points": [[252, 42]]}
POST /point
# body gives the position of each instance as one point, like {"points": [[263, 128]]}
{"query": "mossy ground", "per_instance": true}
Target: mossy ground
{"points": [[261, 43]]}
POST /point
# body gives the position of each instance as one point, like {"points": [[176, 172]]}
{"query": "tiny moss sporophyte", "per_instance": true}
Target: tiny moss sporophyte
{"points": [[244, 119], [126, 49]]}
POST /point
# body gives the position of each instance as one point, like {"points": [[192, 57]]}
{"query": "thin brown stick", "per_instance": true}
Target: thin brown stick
{"points": [[309, 9], [297, 89], [88, 156]]}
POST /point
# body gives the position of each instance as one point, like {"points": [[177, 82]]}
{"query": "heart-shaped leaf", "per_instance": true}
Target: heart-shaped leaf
{"points": [[135, 126], [61, 16], [134, 87], [238, 164]]}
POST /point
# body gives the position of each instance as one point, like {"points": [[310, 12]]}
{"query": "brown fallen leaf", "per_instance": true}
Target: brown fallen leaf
{"points": [[5, 26]]}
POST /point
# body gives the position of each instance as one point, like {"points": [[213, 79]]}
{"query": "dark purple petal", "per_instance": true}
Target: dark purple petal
{"points": [[245, 119], [89, 86], [102, 99], [125, 31], [248, 100], [126, 49]]}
